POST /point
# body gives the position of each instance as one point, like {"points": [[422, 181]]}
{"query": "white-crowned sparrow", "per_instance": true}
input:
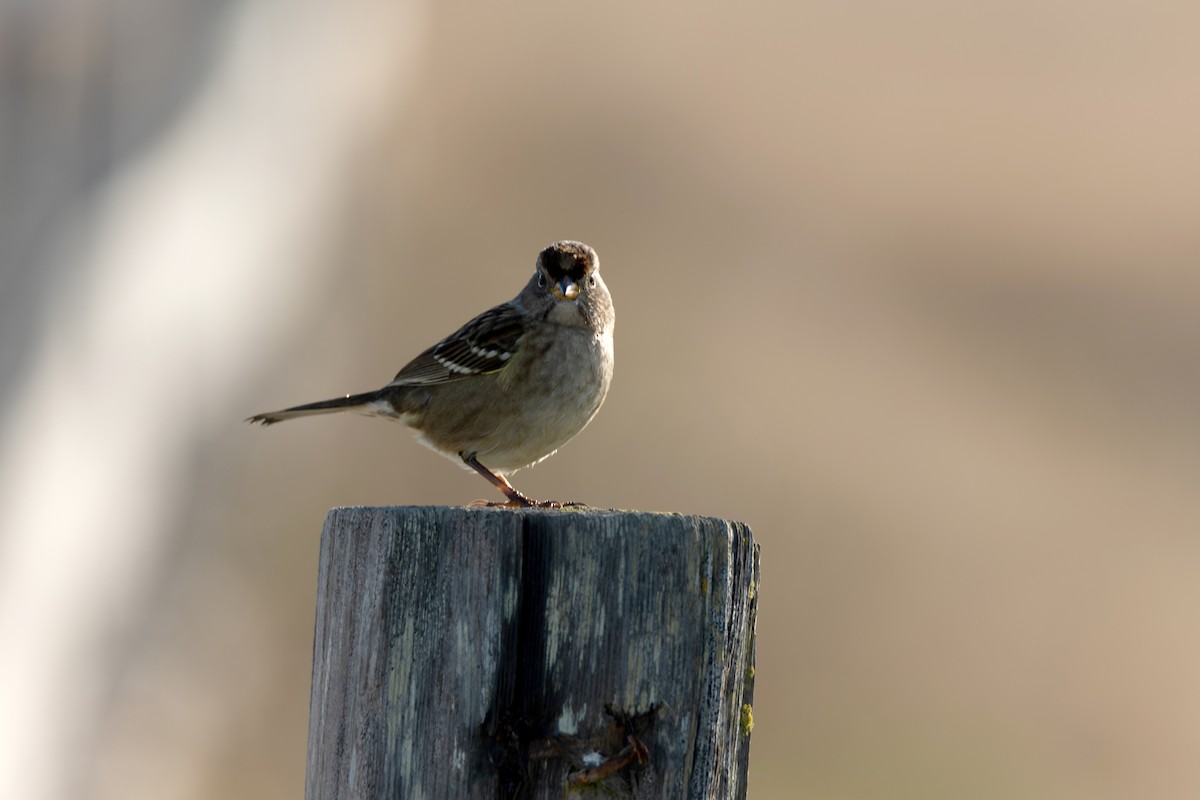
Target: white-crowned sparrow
{"points": [[511, 386]]}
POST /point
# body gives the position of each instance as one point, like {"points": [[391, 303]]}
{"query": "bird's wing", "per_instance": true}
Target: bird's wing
{"points": [[485, 344]]}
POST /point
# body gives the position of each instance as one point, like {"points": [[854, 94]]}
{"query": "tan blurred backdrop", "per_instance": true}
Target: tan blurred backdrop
{"points": [[910, 288]]}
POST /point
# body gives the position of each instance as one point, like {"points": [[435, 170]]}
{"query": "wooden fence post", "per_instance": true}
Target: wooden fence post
{"points": [[497, 653]]}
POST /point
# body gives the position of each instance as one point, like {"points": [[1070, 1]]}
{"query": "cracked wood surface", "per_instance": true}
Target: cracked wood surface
{"points": [[500, 653]]}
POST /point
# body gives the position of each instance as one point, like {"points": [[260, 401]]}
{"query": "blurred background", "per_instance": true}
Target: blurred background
{"points": [[911, 288]]}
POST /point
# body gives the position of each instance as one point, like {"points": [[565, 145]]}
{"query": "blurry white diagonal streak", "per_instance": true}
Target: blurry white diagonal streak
{"points": [[188, 267]]}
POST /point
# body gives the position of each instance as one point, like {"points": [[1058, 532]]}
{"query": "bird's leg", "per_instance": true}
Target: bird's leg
{"points": [[515, 498]]}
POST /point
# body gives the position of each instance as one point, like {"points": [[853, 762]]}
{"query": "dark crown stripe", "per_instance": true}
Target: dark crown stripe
{"points": [[570, 259]]}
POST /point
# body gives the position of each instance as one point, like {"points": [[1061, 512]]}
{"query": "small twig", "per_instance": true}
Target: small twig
{"points": [[633, 752]]}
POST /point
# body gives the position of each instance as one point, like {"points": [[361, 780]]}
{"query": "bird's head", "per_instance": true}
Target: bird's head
{"points": [[568, 279]]}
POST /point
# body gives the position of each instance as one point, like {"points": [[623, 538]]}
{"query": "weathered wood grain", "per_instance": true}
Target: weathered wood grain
{"points": [[493, 653]]}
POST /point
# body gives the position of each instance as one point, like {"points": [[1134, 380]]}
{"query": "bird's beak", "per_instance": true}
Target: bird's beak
{"points": [[566, 289]]}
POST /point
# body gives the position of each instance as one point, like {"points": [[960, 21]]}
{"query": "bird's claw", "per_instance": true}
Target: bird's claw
{"points": [[521, 501]]}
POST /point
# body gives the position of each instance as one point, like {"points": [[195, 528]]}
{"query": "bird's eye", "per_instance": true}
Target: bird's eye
{"points": [[541, 280], [591, 280]]}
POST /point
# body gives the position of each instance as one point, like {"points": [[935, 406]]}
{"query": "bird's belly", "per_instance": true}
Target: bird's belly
{"points": [[564, 396], [507, 427]]}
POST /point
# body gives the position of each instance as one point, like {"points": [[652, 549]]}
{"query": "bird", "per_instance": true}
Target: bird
{"points": [[509, 388]]}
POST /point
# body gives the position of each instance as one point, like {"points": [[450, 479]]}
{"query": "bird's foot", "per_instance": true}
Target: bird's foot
{"points": [[521, 502], [518, 500]]}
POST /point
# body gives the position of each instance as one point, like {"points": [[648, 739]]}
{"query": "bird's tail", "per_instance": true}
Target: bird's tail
{"points": [[367, 402]]}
